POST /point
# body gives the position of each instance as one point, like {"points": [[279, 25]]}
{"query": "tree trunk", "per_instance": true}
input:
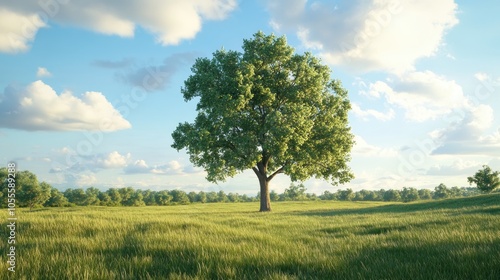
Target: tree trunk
{"points": [[261, 172], [265, 199]]}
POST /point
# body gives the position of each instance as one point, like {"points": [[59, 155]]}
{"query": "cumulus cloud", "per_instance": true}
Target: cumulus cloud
{"points": [[39, 107], [77, 164], [170, 21], [482, 76], [80, 180], [43, 72], [114, 160], [139, 166], [363, 148], [423, 95], [458, 167], [471, 135], [17, 29], [367, 35], [370, 113], [171, 168]]}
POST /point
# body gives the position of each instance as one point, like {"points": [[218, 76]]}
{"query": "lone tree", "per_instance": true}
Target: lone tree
{"points": [[269, 110], [485, 179]]}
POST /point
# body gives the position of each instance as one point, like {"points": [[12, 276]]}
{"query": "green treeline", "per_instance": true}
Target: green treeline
{"points": [[30, 193]]}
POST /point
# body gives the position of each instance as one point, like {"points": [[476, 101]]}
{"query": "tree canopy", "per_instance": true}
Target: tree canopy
{"points": [[485, 179], [28, 192], [269, 110]]}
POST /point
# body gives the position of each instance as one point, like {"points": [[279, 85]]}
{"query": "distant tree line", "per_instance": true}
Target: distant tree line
{"points": [[404, 195], [30, 193]]}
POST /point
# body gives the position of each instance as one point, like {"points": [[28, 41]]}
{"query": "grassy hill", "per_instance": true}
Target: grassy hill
{"points": [[447, 239]]}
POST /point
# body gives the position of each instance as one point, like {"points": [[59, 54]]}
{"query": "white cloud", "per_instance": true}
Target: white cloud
{"points": [[139, 166], [114, 160], [481, 117], [366, 114], [43, 72], [169, 20], [458, 167], [423, 95], [73, 163], [171, 168], [491, 139], [368, 35], [362, 148], [481, 76], [38, 107], [470, 135], [17, 30], [80, 180]]}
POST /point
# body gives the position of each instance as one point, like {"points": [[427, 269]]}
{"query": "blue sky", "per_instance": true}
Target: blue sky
{"points": [[90, 90]]}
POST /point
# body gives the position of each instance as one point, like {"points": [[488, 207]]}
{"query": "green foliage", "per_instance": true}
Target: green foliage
{"points": [[28, 191], [392, 195], [115, 198], [485, 179], [222, 197], [131, 197], [441, 192], [163, 198], [456, 192], [179, 197], [76, 196], [274, 195], [327, 195], [295, 192], [56, 199], [92, 196], [345, 195], [233, 197], [149, 197], [425, 194], [202, 197], [193, 197], [269, 110], [409, 194], [212, 197]]}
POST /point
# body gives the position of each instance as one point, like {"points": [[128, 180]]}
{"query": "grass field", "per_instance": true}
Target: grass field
{"points": [[448, 239]]}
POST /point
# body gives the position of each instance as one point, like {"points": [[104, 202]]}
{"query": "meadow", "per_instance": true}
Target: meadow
{"points": [[445, 239]]}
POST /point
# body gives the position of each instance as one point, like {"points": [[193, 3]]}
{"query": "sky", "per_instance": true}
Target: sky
{"points": [[90, 91]]}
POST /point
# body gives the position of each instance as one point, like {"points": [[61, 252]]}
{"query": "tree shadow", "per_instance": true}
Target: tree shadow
{"points": [[180, 262], [371, 229], [152, 263], [34, 210], [433, 260], [446, 204]]}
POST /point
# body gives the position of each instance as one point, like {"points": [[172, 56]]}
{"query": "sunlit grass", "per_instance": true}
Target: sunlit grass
{"points": [[449, 239]]}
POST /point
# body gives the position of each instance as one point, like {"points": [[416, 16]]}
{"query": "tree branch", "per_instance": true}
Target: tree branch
{"points": [[280, 170], [256, 171], [232, 147]]}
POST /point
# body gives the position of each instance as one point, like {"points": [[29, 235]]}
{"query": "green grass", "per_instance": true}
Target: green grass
{"points": [[449, 239]]}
